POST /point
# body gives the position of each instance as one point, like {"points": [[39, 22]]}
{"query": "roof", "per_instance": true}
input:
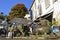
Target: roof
{"points": [[32, 4]]}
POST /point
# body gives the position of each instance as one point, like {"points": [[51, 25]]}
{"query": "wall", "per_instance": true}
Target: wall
{"points": [[57, 12]]}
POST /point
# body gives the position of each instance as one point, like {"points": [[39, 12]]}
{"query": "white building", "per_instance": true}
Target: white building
{"points": [[27, 16], [35, 10], [43, 7]]}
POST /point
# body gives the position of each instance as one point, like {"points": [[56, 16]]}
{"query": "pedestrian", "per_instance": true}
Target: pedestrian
{"points": [[33, 28], [30, 29], [59, 28], [26, 30], [10, 31], [54, 30]]}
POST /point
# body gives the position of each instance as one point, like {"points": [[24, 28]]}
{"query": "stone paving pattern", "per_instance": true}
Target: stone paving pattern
{"points": [[26, 38]]}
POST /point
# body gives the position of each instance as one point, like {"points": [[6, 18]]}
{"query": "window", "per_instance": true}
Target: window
{"points": [[54, 19], [47, 3], [36, 14], [40, 10], [54, 1]]}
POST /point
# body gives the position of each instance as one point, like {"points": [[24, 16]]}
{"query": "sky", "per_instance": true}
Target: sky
{"points": [[6, 5]]}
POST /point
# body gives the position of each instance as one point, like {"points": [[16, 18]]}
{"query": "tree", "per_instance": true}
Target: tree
{"points": [[18, 11], [1, 16]]}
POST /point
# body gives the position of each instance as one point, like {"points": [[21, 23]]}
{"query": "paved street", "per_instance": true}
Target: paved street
{"points": [[27, 38]]}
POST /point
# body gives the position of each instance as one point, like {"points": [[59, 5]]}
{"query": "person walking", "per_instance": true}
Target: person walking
{"points": [[26, 30], [10, 31], [59, 28], [54, 30], [33, 28]]}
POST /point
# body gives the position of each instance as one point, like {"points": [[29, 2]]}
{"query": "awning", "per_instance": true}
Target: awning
{"points": [[37, 20], [48, 17]]}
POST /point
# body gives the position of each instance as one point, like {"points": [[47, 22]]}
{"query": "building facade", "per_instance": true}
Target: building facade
{"points": [[27, 16], [34, 10], [43, 7]]}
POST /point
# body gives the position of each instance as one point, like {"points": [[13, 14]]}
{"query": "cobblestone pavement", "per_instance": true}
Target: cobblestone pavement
{"points": [[27, 38]]}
